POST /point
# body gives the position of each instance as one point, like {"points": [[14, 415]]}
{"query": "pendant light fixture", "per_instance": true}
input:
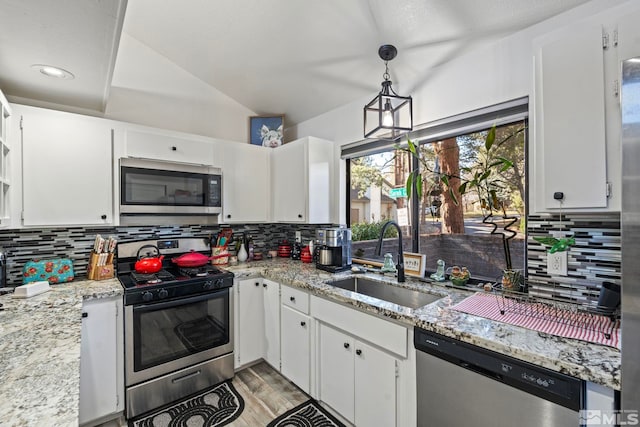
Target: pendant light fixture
{"points": [[388, 114]]}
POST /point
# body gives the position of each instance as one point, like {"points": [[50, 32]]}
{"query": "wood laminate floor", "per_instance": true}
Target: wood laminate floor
{"points": [[266, 395]]}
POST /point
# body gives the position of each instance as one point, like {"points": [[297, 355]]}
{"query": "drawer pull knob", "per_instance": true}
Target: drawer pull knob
{"points": [[292, 299], [303, 323], [346, 345], [358, 352]]}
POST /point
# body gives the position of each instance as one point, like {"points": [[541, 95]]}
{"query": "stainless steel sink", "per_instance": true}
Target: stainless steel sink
{"points": [[386, 292]]}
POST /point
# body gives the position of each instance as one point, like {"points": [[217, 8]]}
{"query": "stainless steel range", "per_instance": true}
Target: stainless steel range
{"points": [[178, 323]]}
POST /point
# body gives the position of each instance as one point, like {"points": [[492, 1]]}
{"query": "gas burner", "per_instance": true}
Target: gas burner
{"points": [[198, 271], [141, 279]]}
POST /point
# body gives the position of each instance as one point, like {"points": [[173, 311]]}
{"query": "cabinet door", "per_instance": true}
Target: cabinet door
{"points": [[66, 169], [101, 347], [570, 119], [296, 341], [289, 177], [336, 374], [271, 323], [250, 325], [246, 183], [375, 387], [161, 146]]}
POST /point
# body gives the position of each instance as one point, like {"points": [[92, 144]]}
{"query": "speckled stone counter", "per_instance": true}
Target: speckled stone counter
{"points": [[40, 352], [591, 362]]}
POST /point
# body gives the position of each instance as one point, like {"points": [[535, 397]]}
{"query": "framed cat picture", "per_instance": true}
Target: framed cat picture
{"points": [[266, 131]]}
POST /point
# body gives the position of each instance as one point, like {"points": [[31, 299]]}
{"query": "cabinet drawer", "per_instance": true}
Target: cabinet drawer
{"points": [[169, 148], [380, 332], [295, 298]]}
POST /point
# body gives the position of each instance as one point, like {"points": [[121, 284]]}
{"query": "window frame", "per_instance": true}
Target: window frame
{"points": [[473, 121]]}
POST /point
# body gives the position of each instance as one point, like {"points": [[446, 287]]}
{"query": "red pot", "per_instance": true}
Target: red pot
{"points": [[148, 264], [192, 259]]}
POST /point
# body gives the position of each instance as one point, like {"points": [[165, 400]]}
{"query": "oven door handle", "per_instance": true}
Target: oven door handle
{"points": [[178, 302]]}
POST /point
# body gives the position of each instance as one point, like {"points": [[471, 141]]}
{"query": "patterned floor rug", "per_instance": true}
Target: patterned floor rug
{"points": [[216, 407], [308, 414]]}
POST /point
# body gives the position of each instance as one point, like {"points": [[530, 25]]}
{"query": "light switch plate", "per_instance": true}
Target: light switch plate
{"points": [[557, 263]]}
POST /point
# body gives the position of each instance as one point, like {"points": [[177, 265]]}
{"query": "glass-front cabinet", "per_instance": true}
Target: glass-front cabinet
{"points": [[5, 112]]}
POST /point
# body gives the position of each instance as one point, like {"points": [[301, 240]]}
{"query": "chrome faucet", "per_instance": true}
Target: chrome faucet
{"points": [[400, 265]]}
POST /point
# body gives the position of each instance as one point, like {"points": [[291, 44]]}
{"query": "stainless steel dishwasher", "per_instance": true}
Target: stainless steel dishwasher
{"points": [[461, 384]]}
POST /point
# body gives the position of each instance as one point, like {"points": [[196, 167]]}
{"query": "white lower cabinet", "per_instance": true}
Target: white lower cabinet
{"points": [[101, 360], [357, 379], [249, 329], [296, 347], [271, 291], [257, 322]]}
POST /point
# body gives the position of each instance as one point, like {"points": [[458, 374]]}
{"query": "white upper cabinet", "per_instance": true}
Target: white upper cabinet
{"points": [[301, 175], [246, 184], [576, 112], [67, 168], [163, 145], [569, 137]]}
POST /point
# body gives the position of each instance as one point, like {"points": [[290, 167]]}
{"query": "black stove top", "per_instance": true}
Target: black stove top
{"points": [[171, 281]]}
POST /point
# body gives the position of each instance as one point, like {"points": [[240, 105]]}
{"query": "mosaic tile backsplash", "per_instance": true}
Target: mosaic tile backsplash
{"points": [[24, 245], [595, 258]]}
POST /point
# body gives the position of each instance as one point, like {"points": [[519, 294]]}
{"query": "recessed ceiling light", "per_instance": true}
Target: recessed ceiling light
{"points": [[51, 71]]}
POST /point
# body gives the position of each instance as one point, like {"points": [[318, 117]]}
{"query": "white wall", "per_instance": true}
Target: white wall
{"points": [[494, 73], [156, 92]]}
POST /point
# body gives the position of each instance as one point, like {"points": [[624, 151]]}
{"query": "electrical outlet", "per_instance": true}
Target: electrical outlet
{"points": [[557, 263], [298, 237]]}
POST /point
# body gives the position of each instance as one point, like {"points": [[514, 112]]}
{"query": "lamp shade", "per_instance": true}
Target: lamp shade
{"points": [[388, 115]]}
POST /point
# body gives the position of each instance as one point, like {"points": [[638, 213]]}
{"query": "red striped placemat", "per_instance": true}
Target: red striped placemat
{"points": [[582, 326]]}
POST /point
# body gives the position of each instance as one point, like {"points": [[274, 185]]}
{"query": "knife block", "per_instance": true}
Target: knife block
{"points": [[100, 266]]}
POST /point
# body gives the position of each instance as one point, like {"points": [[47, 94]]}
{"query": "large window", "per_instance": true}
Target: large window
{"points": [[471, 210]]}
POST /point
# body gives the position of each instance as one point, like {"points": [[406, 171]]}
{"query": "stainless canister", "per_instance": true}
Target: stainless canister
{"points": [[325, 256]]}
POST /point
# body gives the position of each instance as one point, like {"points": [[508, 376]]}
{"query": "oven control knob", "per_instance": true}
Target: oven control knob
{"points": [[147, 296], [219, 283], [162, 293], [208, 284]]}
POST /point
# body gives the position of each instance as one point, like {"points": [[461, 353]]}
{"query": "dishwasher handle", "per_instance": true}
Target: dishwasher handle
{"points": [[482, 371]]}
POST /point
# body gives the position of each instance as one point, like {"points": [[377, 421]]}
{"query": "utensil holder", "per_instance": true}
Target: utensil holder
{"points": [[609, 298], [220, 255]]}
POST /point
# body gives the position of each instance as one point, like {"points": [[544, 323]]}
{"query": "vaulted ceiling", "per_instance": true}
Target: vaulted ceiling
{"points": [[299, 58]]}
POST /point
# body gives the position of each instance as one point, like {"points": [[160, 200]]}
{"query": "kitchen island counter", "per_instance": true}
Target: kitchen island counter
{"points": [[40, 348], [591, 362]]}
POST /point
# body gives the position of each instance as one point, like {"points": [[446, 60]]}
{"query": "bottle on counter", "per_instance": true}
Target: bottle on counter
{"points": [[250, 248], [295, 251]]}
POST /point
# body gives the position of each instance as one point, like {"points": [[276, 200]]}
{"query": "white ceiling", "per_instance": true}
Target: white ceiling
{"points": [[299, 58]]}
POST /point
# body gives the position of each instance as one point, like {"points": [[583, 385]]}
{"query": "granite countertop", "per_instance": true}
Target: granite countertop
{"points": [[597, 363], [40, 350], [40, 337]]}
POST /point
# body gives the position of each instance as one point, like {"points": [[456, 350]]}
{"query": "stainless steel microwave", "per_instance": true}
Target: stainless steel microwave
{"points": [[158, 188]]}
